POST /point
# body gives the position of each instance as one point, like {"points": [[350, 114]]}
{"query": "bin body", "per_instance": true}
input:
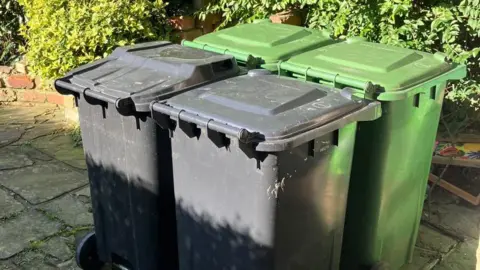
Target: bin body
{"points": [[273, 199], [128, 156], [393, 153], [263, 44]]}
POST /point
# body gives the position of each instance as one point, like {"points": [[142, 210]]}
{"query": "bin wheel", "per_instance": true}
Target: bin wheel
{"points": [[380, 266], [86, 253]]}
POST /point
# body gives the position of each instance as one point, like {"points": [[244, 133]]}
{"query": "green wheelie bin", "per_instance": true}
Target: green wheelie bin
{"points": [[392, 154], [263, 44]]}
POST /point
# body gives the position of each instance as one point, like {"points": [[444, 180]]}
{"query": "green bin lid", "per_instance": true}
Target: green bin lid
{"points": [[265, 41], [358, 63]]}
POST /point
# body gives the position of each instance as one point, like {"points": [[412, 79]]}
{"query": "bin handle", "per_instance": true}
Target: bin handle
{"points": [[66, 88], [159, 110], [124, 106]]}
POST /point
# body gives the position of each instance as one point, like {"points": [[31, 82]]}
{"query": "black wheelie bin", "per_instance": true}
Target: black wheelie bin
{"points": [[128, 155], [261, 169]]}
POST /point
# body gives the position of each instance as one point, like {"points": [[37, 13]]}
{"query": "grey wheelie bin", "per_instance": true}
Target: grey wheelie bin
{"points": [[128, 156], [261, 169]]}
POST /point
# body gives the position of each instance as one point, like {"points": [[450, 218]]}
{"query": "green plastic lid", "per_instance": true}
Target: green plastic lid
{"points": [[361, 64], [265, 42]]}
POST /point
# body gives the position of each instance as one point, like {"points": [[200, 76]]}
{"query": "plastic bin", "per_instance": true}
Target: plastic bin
{"points": [[262, 44], [128, 156], [392, 154], [261, 170]]}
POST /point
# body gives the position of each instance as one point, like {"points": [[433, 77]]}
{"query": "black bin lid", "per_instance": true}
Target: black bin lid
{"points": [[275, 112], [134, 76]]}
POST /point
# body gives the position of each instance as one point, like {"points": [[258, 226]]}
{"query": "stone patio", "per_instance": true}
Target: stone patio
{"points": [[44, 201], [44, 196]]}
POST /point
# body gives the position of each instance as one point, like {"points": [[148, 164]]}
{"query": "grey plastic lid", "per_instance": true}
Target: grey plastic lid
{"points": [[134, 76], [265, 108]]}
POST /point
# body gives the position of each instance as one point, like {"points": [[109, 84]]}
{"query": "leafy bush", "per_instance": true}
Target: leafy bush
{"points": [[63, 34], [11, 16], [452, 27]]}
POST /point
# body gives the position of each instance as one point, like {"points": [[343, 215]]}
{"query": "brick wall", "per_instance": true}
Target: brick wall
{"points": [[16, 85]]}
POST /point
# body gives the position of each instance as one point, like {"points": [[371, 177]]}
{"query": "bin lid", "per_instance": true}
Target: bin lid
{"points": [[134, 76], [390, 68], [265, 41], [272, 108]]}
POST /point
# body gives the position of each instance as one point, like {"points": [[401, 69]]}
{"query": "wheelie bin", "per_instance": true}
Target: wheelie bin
{"points": [[261, 167], [261, 44], [393, 153], [128, 156]]}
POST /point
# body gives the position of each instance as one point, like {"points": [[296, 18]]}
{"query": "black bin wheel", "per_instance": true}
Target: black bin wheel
{"points": [[380, 266], [86, 253]]}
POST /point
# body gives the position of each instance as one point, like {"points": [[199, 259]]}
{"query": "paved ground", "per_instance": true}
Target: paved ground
{"points": [[44, 201], [44, 197]]}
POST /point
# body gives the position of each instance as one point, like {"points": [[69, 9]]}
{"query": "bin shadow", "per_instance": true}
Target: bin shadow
{"points": [[134, 218], [232, 249], [135, 227]]}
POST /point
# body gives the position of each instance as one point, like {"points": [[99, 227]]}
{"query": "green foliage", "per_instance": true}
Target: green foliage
{"points": [[452, 27], [11, 16], [76, 135], [63, 34]]}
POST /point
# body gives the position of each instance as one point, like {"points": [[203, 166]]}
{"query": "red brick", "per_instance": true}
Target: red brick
{"points": [[20, 81], [183, 23], [5, 69], [34, 96], [287, 17], [55, 98]]}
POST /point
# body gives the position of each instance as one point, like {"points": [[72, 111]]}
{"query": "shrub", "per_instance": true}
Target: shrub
{"points": [[11, 16], [63, 34], [452, 27]]}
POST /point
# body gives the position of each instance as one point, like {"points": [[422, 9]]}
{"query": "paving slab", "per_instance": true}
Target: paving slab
{"points": [[9, 135], [70, 210], [6, 265], [61, 146], [58, 247], [465, 257], [461, 219], [11, 158], [8, 205], [70, 265], [27, 115], [84, 192], [433, 240], [40, 130], [420, 260], [83, 195], [40, 183], [17, 233], [33, 260], [32, 153]]}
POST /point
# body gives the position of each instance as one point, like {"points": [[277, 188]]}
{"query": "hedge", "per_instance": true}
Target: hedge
{"points": [[11, 17], [63, 34]]}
